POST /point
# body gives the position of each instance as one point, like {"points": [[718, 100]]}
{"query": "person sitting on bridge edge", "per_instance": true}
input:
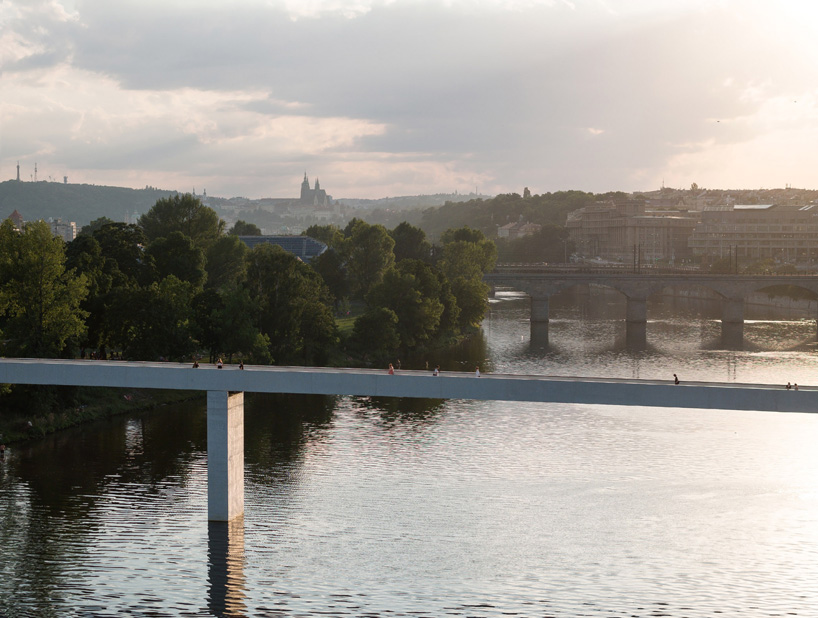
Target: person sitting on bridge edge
{"points": [[391, 370], [436, 372], [675, 379], [195, 363], [477, 371], [219, 363], [241, 364]]}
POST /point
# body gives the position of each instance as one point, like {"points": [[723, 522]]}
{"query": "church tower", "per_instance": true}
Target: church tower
{"points": [[305, 189]]}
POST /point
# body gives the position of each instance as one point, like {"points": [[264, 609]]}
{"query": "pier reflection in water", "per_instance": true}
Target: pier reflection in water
{"points": [[225, 568], [409, 507]]}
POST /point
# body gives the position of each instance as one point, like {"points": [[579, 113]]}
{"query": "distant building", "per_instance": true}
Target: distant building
{"points": [[518, 229], [756, 231], [314, 197], [17, 220], [618, 230], [303, 247], [67, 230]]}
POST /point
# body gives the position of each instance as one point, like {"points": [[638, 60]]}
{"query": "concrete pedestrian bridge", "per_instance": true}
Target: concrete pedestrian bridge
{"points": [[225, 397], [541, 282]]}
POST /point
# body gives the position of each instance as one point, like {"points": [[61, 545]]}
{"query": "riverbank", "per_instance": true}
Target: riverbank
{"points": [[92, 404]]}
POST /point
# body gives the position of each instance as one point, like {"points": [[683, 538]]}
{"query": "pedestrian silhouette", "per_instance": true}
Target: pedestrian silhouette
{"points": [[675, 379]]}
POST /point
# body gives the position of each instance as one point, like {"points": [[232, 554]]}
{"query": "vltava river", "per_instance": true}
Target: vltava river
{"points": [[358, 507]]}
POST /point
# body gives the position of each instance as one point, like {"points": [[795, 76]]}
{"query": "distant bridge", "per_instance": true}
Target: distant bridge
{"points": [[225, 397], [541, 282]]}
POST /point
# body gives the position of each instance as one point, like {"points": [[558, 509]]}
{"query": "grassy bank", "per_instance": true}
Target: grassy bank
{"points": [[92, 404]]}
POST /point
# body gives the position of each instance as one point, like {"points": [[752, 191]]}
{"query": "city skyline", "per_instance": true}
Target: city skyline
{"points": [[385, 98]]}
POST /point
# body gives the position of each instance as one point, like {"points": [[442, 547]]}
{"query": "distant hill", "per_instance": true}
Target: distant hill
{"points": [[72, 202], [408, 202]]}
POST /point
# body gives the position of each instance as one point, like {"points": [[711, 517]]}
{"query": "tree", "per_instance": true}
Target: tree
{"points": [[330, 235], [472, 300], [153, 322], [467, 253], [369, 257], [418, 314], [94, 225], [375, 334], [226, 262], [410, 243], [550, 244], [185, 214], [467, 256], [330, 265], [123, 247], [293, 305], [243, 228], [39, 298], [177, 255]]}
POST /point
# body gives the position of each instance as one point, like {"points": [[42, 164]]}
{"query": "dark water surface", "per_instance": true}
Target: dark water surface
{"points": [[362, 507]]}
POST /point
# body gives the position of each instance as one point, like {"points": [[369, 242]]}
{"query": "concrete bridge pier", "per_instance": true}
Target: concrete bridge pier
{"points": [[732, 321], [225, 455], [539, 321], [636, 320]]}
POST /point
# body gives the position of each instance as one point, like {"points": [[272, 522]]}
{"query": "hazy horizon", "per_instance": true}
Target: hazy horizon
{"points": [[404, 97]]}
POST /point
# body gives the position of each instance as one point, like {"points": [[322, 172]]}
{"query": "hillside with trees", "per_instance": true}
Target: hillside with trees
{"points": [[75, 202]]}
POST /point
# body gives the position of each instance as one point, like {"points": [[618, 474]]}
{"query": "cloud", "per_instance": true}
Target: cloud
{"points": [[382, 96]]}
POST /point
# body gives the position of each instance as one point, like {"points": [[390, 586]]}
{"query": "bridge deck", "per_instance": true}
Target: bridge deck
{"points": [[449, 385]]}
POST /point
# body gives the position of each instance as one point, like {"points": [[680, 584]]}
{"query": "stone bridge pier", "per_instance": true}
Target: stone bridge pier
{"points": [[540, 285]]}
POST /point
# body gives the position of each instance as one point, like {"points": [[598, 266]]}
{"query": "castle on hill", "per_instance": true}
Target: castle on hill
{"points": [[314, 197]]}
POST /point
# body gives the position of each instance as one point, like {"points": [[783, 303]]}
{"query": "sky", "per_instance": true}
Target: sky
{"points": [[380, 98]]}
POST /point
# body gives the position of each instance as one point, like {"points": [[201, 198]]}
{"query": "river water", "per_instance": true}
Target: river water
{"points": [[362, 507]]}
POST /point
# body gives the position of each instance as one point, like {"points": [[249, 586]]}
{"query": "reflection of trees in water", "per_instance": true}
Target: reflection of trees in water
{"points": [[401, 410], [278, 427], [51, 488], [463, 356]]}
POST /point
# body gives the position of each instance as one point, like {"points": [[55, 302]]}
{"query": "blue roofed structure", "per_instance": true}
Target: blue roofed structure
{"points": [[303, 247]]}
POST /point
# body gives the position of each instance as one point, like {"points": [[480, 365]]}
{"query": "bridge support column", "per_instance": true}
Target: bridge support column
{"points": [[225, 455], [636, 322], [636, 310], [539, 309], [732, 310], [539, 321], [732, 322]]}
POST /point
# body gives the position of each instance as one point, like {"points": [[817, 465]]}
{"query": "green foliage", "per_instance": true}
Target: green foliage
{"points": [[75, 202], [330, 235], [177, 255], [293, 305], [185, 214], [94, 226], [403, 293], [488, 215], [467, 253], [330, 265], [550, 244], [375, 334], [39, 298], [226, 262], [123, 249], [243, 228], [410, 243], [369, 256], [472, 299], [153, 322]]}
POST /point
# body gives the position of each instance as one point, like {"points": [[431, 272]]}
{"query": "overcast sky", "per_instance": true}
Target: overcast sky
{"points": [[381, 98]]}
